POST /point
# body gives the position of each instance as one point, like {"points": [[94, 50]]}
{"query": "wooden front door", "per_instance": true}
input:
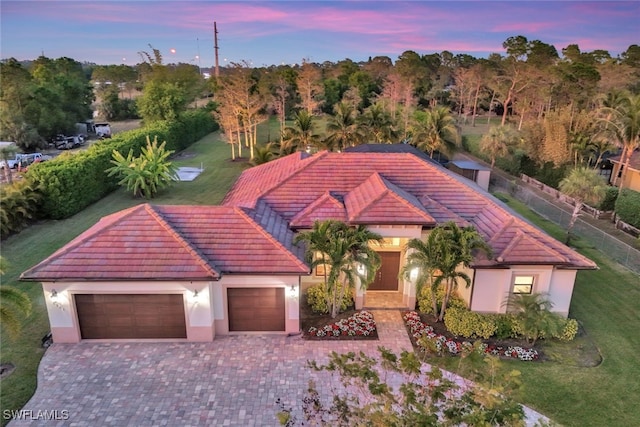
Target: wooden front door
{"points": [[387, 276], [256, 309], [118, 316]]}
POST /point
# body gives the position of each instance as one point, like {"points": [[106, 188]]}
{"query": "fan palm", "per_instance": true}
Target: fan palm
{"points": [[497, 142], [300, 136], [534, 313]]}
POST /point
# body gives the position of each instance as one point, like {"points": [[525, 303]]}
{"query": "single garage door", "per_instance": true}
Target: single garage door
{"points": [[131, 316], [256, 309]]}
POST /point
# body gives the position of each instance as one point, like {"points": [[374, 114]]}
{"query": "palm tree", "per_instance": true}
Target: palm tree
{"points": [[497, 142], [622, 121], [342, 129], [346, 254], [435, 130], [584, 185], [300, 136], [423, 257], [534, 313], [14, 304], [456, 245], [377, 124], [263, 154]]}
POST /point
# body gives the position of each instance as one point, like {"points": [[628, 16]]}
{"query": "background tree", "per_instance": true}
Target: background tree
{"points": [[346, 254], [584, 185], [147, 174], [309, 86], [301, 135], [498, 142], [435, 130], [342, 128]]}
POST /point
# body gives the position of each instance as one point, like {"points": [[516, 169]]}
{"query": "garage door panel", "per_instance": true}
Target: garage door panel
{"points": [[115, 316], [256, 309]]}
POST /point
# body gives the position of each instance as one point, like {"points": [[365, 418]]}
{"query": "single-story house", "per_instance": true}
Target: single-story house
{"points": [[194, 272], [631, 177]]}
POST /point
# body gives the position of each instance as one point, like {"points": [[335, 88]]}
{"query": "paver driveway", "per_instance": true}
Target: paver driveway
{"points": [[234, 380]]}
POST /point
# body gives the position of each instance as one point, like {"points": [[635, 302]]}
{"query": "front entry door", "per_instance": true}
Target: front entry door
{"points": [[387, 276]]}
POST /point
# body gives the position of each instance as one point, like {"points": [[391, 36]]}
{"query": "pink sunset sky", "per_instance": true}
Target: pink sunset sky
{"points": [[268, 33]]}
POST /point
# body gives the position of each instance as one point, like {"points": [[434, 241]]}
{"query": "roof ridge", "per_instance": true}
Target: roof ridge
{"points": [[160, 218], [310, 207], [520, 235], [370, 201], [313, 159], [392, 188], [242, 212]]}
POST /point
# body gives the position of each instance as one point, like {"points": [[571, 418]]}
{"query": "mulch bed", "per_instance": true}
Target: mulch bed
{"points": [[309, 319]]}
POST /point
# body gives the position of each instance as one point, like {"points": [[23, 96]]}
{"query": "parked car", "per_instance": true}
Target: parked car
{"points": [[24, 160], [62, 142], [103, 130]]}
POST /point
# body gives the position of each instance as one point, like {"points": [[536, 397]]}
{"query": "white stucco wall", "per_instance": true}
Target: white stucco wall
{"points": [[491, 287]]}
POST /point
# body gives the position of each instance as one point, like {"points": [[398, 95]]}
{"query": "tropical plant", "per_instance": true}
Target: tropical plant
{"points": [[377, 125], [263, 154], [342, 129], [346, 255], [535, 316], [300, 136], [498, 141], [14, 305], [147, 174], [447, 247], [18, 205], [584, 185], [435, 130]]}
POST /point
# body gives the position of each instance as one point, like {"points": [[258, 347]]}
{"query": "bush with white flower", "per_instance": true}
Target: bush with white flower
{"points": [[359, 324], [426, 338]]}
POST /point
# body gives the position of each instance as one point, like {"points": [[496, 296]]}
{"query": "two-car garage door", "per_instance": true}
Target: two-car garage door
{"points": [[110, 316]]}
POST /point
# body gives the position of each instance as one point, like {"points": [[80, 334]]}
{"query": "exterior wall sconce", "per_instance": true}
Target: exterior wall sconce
{"points": [[54, 295], [413, 275], [55, 299], [361, 269], [194, 296], [293, 292]]}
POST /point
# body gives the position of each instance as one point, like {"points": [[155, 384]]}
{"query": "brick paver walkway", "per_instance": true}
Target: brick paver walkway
{"points": [[234, 380]]}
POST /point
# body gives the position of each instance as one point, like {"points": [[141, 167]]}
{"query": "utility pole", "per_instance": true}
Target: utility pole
{"points": [[215, 48]]}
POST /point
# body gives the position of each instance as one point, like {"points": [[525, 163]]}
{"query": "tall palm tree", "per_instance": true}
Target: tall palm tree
{"points": [[584, 185], [423, 257], [14, 305], [435, 130], [377, 124], [456, 246], [346, 254], [622, 121], [342, 129], [300, 136], [498, 141]]}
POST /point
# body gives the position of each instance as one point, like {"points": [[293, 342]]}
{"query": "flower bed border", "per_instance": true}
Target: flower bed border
{"points": [[418, 329], [360, 325]]}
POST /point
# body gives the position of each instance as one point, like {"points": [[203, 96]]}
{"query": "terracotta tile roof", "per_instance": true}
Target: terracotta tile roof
{"points": [[377, 201], [327, 206], [136, 243], [423, 189], [175, 243]]}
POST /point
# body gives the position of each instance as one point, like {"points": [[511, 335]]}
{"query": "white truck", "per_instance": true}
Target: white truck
{"points": [[24, 160]]}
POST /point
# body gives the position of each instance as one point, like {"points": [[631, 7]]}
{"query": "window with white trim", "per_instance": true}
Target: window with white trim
{"points": [[523, 284]]}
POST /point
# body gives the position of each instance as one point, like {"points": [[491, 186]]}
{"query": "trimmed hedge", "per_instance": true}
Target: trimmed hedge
{"points": [[70, 183], [628, 207], [609, 201], [425, 300]]}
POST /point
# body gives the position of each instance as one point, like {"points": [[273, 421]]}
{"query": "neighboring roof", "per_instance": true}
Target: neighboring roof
{"points": [[389, 188], [469, 165], [174, 243], [634, 160]]}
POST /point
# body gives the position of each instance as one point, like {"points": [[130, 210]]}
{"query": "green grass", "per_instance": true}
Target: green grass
{"points": [[37, 242], [607, 304]]}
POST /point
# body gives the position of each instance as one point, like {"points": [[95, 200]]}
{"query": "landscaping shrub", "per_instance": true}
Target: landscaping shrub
{"points": [[70, 183], [469, 324], [317, 299], [18, 205], [569, 331], [609, 201], [628, 207], [425, 301]]}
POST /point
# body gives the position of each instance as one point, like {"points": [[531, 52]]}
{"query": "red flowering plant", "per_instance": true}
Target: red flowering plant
{"points": [[424, 336], [359, 324]]}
